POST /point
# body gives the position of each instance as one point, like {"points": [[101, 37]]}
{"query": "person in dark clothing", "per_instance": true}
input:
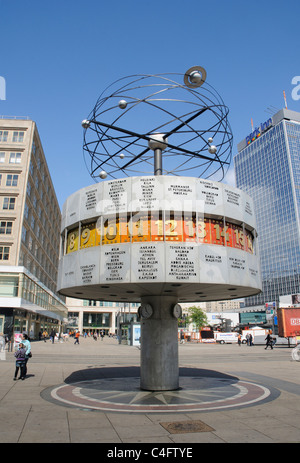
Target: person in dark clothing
{"points": [[20, 362], [269, 342], [52, 336]]}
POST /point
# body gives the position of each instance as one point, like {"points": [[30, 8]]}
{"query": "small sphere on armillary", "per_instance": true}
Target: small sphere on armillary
{"points": [[122, 104], [195, 77], [210, 140], [122, 155], [212, 149], [85, 124], [103, 174]]}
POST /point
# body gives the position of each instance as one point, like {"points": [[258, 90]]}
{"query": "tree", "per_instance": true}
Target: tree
{"points": [[197, 316], [181, 322]]}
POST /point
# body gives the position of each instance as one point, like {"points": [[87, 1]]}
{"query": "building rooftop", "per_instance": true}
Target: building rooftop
{"points": [[286, 114]]}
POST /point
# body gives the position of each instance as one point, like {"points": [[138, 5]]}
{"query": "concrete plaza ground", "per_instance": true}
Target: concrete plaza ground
{"points": [[30, 414]]}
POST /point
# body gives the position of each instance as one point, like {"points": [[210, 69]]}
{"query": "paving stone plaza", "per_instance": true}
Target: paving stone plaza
{"points": [[90, 393]]}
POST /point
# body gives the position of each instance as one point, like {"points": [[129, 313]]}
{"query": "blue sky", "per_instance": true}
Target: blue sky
{"points": [[57, 57]]}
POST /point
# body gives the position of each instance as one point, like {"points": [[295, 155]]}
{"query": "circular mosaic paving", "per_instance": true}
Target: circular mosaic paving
{"points": [[125, 395]]}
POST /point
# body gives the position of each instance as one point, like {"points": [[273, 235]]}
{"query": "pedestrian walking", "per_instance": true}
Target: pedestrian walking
{"points": [[77, 337], [102, 334], [269, 342], [181, 337], [239, 340], [20, 355], [28, 353], [52, 336]]}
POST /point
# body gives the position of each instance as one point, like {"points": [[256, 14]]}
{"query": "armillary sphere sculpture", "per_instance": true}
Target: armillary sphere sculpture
{"points": [[180, 115], [161, 235]]}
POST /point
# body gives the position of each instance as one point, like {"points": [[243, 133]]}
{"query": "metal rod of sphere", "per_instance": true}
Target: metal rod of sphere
{"points": [[157, 161]]}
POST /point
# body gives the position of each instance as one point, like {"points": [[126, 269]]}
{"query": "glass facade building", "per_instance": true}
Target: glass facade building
{"points": [[267, 167]]}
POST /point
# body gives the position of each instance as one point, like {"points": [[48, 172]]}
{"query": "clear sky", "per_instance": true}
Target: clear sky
{"points": [[58, 56]]}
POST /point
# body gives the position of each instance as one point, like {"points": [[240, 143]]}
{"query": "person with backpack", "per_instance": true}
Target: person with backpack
{"points": [[269, 342], [27, 345], [20, 355]]}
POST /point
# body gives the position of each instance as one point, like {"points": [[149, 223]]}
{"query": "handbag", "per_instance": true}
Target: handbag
{"points": [[29, 355]]}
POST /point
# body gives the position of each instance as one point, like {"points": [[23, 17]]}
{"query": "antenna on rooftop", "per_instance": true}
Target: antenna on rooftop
{"points": [[271, 110], [284, 99]]}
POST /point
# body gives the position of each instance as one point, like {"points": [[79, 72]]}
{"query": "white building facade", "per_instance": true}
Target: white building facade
{"points": [[29, 234]]}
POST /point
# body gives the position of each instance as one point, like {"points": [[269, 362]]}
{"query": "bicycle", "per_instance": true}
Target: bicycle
{"points": [[296, 353]]}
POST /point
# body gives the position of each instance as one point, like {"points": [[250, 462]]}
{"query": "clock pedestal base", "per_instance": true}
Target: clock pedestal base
{"points": [[159, 346]]}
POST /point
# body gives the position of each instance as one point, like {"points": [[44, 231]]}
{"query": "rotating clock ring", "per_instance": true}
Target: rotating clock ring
{"points": [[137, 118]]}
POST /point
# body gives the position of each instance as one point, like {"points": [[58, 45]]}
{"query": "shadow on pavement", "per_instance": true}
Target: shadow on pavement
{"points": [[93, 373]]}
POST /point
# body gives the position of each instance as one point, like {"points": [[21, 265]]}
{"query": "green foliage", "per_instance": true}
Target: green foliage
{"points": [[198, 317], [181, 322]]}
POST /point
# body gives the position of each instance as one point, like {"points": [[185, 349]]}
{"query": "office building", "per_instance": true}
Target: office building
{"points": [[29, 234], [267, 167], [92, 317]]}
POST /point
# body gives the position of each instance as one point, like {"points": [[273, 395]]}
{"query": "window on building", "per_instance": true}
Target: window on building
{"points": [[29, 189], [30, 243], [105, 304], [4, 252], [12, 180], [3, 135], [14, 158], [95, 320], [32, 223], [31, 169], [9, 285], [33, 147], [26, 211], [5, 227], [24, 234], [2, 157], [9, 203], [18, 137], [73, 319]]}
